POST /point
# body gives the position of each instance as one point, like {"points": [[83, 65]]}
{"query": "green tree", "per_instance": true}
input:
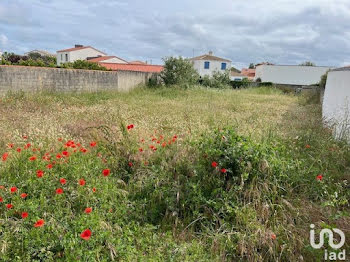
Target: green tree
{"points": [[308, 63], [251, 66], [178, 71]]}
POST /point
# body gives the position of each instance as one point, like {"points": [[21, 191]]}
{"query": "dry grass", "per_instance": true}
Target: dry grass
{"points": [[47, 116]]}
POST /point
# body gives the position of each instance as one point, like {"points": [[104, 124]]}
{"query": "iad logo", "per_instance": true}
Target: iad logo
{"points": [[331, 255]]}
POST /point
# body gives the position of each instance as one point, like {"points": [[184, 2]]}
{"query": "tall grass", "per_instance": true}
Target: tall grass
{"points": [[196, 175]]}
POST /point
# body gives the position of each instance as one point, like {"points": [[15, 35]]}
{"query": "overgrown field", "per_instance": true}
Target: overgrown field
{"points": [[168, 175]]}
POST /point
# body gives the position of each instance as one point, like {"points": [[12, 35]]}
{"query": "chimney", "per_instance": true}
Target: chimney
{"points": [[78, 46], [210, 52]]}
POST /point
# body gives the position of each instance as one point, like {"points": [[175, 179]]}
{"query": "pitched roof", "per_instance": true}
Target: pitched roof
{"points": [[209, 57], [103, 58], [79, 48], [133, 67]]}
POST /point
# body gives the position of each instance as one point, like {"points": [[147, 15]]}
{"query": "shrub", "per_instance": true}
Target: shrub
{"points": [[178, 71], [270, 84], [240, 84], [323, 80], [83, 64], [218, 80]]}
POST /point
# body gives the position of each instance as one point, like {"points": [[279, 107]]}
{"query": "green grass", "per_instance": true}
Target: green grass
{"points": [[169, 204]]}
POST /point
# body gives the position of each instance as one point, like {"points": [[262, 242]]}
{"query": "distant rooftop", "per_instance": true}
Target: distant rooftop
{"points": [[103, 58], [133, 67]]}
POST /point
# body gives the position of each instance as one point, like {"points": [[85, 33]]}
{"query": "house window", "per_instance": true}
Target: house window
{"points": [[223, 66], [206, 65], [66, 57]]}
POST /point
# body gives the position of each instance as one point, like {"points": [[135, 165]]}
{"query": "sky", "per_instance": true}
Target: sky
{"points": [[281, 32]]}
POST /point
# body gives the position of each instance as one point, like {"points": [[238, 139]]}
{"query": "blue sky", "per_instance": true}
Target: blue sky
{"points": [[282, 32]]}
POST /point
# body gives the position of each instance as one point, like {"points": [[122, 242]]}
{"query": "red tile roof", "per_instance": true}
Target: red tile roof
{"points": [[138, 63], [79, 48], [133, 67], [102, 58]]}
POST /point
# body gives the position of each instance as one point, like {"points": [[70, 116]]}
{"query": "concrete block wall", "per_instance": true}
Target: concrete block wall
{"points": [[31, 79]]}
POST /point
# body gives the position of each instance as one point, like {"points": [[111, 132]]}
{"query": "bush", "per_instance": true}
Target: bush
{"points": [[270, 84], [218, 80], [83, 64], [240, 84], [33, 59], [178, 71], [323, 81]]}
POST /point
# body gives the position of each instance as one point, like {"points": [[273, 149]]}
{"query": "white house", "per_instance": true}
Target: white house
{"points": [[208, 64], [107, 59], [79, 52], [336, 102], [290, 74]]}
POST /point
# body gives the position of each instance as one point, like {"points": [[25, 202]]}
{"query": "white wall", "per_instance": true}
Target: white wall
{"points": [[114, 60], [80, 54], [336, 103], [290, 75], [213, 66]]}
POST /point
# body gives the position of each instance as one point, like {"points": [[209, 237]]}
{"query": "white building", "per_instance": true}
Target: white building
{"points": [[78, 52], [107, 59], [336, 102], [208, 64], [290, 74]]}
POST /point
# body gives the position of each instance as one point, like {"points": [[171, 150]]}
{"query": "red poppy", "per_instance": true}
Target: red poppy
{"points": [[49, 166], [13, 189], [307, 146], [5, 156], [94, 189], [88, 210], [130, 127], [130, 164], [1, 199], [32, 158], [214, 164], [65, 153], [10, 145], [86, 234], [58, 156], [24, 215], [59, 139], [106, 172], [63, 181], [9, 206], [19, 150], [164, 144], [319, 177], [140, 149], [273, 236], [82, 182], [39, 173], [84, 150], [24, 195], [223, 170], [27, 146], [92, 144], [39, 223], [25, 137], [59, 191]]}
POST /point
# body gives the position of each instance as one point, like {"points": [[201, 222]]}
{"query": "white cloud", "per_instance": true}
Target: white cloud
{"points": [[3, 40]]}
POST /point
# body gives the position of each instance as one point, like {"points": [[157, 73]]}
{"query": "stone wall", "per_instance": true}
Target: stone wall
{"points": [[31, 79]]}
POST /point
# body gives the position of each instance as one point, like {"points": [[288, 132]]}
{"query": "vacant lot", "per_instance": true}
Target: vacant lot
{"points": [[194, 175]]}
